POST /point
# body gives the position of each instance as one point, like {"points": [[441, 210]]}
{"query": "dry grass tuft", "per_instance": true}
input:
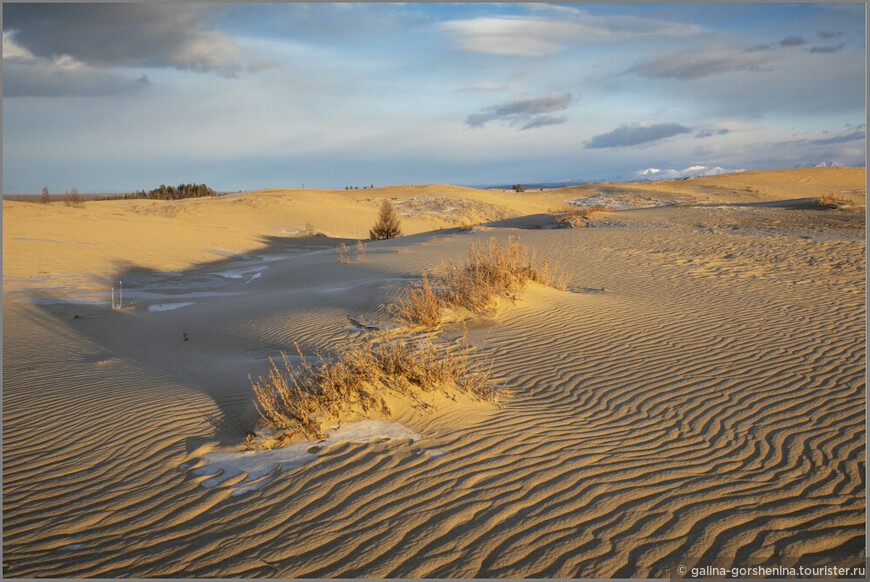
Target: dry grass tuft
{"points": [[830, 199], [360, 250], [298, 396], [490, 271], [569, 211], [342, 251]]}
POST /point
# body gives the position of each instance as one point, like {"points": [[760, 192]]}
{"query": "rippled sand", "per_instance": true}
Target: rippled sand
{"points": [[697, 392]]}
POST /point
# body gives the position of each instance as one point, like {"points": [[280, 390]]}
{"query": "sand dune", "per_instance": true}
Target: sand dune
{"points": [[695, 396]]}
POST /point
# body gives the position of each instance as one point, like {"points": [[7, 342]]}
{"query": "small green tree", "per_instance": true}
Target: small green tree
{"points": [[387, 225], [46, 197]]}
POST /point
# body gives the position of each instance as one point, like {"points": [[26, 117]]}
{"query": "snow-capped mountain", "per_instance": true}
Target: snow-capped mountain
{"points": [[829, 164], [690, 172]]}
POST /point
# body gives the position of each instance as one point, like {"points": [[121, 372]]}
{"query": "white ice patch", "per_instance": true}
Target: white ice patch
{"points": [[262, 466], [271, 259], [626, 202], [240, 273], [169, 306]]}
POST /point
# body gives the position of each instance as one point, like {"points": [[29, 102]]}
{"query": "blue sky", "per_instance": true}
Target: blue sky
{"points": [[112, 98]]}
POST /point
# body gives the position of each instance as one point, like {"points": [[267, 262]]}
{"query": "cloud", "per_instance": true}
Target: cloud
{"points": [[633, 134], [542, 120], [711, 132], [840, 138], [829, 34], [538, 36], [25, 75], [528, 112], [684, 66], [724, 128], [828, 49], [511, 36], [757, 48], [123, 35], [793, 40]]}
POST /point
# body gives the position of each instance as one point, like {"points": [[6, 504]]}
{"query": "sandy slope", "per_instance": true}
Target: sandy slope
{"points": [[697, 394]]}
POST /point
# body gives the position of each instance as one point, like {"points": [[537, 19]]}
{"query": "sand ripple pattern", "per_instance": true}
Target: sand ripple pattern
{"points": [[674, 415]]}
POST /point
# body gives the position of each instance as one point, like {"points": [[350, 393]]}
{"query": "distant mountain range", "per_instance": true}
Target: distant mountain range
{"points": [[690, 172], [648, 174]]}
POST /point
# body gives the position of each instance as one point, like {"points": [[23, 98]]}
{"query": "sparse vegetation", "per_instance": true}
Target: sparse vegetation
{"points": [[73, 198], [309, 228], [388, 225], [299, 397], [567, 212], [46, 196], [490, 270], [341, 250], [519, 188], [360, 250], [830, 199]]}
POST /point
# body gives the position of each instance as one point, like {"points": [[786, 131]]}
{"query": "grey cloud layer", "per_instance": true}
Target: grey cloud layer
{"points": [[635, 134], [126, 35], [793, 40], [694, 65], [526, 112]]}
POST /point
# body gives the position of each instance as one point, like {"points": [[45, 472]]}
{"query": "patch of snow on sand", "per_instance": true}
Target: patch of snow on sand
{"points": [[169, 306], [262, 466], [622, 203], [240, 273]]}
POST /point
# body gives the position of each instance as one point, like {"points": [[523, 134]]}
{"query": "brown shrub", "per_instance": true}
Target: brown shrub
{"points": [[295, 396], [568, 212], [830, 199], [490, 270]]}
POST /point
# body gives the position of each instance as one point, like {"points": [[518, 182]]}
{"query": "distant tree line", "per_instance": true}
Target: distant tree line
{"points": [[164, 192]]}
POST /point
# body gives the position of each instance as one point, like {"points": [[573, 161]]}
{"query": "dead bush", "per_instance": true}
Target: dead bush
{"points": [[299, 396], [490, 270]]}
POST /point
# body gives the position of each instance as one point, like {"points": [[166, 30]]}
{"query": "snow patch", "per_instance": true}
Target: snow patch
{"points": [[263, 466]]}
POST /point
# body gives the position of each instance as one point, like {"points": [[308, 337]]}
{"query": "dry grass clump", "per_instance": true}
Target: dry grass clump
{"points": [[360, 250], [830, 199], [297, 396], [490, 271], [568, 212], [342, 251]]}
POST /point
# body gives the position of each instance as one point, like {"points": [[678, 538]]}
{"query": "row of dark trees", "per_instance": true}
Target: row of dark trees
{"points": [[164, 192], [357, 187]]}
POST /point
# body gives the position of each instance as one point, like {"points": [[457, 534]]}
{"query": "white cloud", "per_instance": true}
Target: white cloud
{"points": [[539, 36]]}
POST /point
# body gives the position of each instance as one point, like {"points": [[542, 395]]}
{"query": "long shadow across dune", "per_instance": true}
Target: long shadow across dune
{"points": [[213, 324]]}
